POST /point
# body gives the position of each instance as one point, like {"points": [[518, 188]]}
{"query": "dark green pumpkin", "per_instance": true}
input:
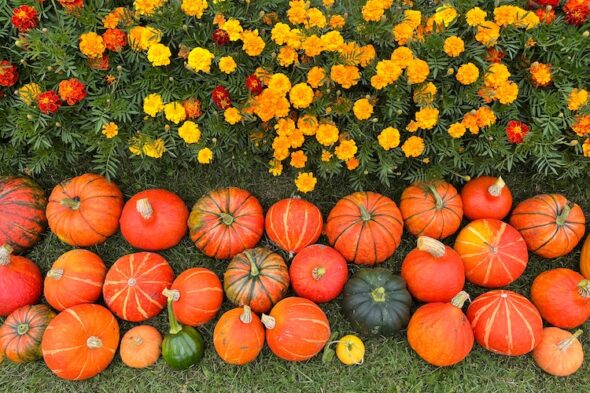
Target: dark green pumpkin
{"points": [[376, 302], [183, 346]]}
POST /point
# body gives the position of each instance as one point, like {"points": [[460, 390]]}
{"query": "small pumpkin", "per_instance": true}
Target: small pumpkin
{"points": [[559, 353], [20, 281], [585, 258], [486, 197], [238, 336], [183, 346], [350, 350], [141, 346]]}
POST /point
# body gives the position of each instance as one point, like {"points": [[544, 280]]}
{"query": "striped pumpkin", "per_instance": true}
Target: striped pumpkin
{"points": [[133, 286], [493, 252], [505, 322], [257, 278], [550, 224]]}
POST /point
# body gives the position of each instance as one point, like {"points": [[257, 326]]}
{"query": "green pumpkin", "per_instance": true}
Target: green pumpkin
{"points": [[183, 346], [376, 302]]}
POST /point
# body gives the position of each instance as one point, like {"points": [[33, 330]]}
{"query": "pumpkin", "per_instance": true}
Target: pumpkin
{"points": [[133, 286], [225, 222], [493, 252], [293, 224], [257, 278], [505, 322], [585, 259], [140, 346], [365, 227], [196, 296], [154, 220], [559, 353], [20, 281], [486, 197], [350, 350], [183, 346], [76, 277], [432, 209], [85, 210], [318, 273], [22, 212], [80, 342], [550, 224], [440, 333], [433, 272], [20, 336], [296, 329], [376, 302], [562, 297], [238, 336]]}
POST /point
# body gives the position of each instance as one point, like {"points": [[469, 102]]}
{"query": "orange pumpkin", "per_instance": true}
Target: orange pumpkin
{"points": [[76, 277], [20, 281], [80, 342], [239, 336], [550, 224], [432, 209], [85, 210], [585, 259], [486, 197], [365, 227], [493, 252], [141, 346], [559, 353], [133, 286]]}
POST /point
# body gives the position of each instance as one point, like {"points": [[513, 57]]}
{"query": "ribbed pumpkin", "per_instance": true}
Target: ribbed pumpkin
{"points": [[225, 222], [433, 272], [154, 220], [238, 336], [133, 286], [550, 224], [440, 333], [505, 322], [318, 273], [562, 297], [76, 277], [22, 212], [80, 342], [432, 209], [21, 334], [258, 278], [486, 197], [585, 259], [141, 346], [559, 353], [296, 329], [293, 224], [85, 210], [493, 252], [196, 296], [20, 281], [365, 227]]}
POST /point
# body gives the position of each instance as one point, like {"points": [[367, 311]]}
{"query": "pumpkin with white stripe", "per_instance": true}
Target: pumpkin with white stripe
{"points": [[196, 296], [133, 286], [238, 336], [505, 322], [493, 252], [80, 342]]}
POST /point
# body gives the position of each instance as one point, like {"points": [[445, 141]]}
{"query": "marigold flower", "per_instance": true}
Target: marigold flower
{"points": [[485, 117], [254, 85], [313, 46], [301, 95], [402, 56], [308, 124], [232, 115], [316, 77], [362, 109], [417, 71], [467, 74], [326, 156], [516, 131], [576, 12], [346, 150], [205, 156], [333, 41], [24, 18], [141, 38], [193, 108], [275, 167], [147, 7], [114, 39], [586, 147], [475, 16], [287, 56], [29, 93], [253, 45], [344, 75], [72, 91], [159, 55], [427, 118], [456, 130], [577, 99], [298, 159], [507, 93], [233, 28], [582, 125], [8, 74], [487, 33], [541, 74], [227, 64], [389, 138], [279, 83], [174, 112], [154, 149], [220, 37], [116, 16], [403, 33], [305, 182], [199, 59], [352, 163], [152, 104], [425, 94], [505, 15], [92, 45], [372, 11], [221, 98], [454, 46], [337, 22], [71, 5], [49, 102], [194, 7], [546, 16], [189, 132], [280, 33], [413, 146], [327, 134], [110, 130]]}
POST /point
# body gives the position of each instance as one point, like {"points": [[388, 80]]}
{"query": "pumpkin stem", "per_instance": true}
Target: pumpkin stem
{"points": [[56, 274], [318, 272], [378, 294], [496, 189], [171, 294], [175, 327], [254, 271], [93, 342], [144, 208], [268, 321], [565, 344], [365, 215], [246, 316], [5, 251], [437, 198], [460, 299], [227, 219], [137, 340], [584, 288], [562, 217], [72, 203], [22, 328], [431, 246]]}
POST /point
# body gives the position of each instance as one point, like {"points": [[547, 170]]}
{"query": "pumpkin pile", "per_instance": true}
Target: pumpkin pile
{"points": [[364, 228]]}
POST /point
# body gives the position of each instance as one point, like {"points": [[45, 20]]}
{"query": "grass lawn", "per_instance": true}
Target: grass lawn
{"points": [[390, 365]]}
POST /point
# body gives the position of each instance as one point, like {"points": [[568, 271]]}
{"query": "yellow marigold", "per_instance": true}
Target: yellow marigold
{"points": [[427, 118], [505, 15], [281, 145], [337, 22], [389, 138], [582, 125], [576, 99], [298, 159], [190, 132], [485, 117], [527, 19], [402, 56], [372, 11], [425, 94], [147, 7], [253, 45], [194, 7], [456, 130], [403, 33], [454, 46], [297, 139], [308, 124], [413, 146], [306, 182], [159, 55], [368, 54], [315, 18], [497, 75], [301, 95], [175, 112], [205, 156], [346, 150], [379, 82], [227, 64], [475, 16], [507, 93], [152, 104], [280, 33], [467, 74], [287, 56], [327, 134], [110, 130], [326, 156], [232, 115], [275, 167], [285, 127], [345, 75], [389, 70], [413, 18], [154, 149], [417, 71], [332, 40], [586, 147], [141, 38], [112, 19], [199, 59], [362, 109], [295, 38], [297, 14], [412, 126], [92, 45], [541, 74], [487, 33], [29, 93], [328, 3], [233, 28], [352, 163], [271, 103], [313, 46], [445, 15], [279, 83]]}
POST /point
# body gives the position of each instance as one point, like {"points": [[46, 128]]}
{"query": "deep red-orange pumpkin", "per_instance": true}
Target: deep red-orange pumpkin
{"points": [[141, 346], [85, 210], [80, 342], [433, 272], [505, 322], [585, 258], [239, 336], [133, 286], [486, 197], [550, 224], [21, 282], [560, 353], [365, 227], [225, 222], [76, 277]]}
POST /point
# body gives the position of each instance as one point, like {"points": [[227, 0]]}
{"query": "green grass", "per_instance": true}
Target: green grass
{"points": [[390, 365]]}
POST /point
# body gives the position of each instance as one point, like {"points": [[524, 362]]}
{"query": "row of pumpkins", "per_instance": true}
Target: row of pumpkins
{"points": [[364, 228]]}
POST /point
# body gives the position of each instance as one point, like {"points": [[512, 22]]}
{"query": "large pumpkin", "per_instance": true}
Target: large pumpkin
{"points": [[225, 222], [505, 322], [365, 227], [76, 277], [238, 336], [22, 212], [20, 336], [432, 209], [154, 220], [559, 353], [141, 346], [20, 281], [486, 197], [257, 278], [133, 286], [85, 210], [550, 224], [293, 224], [296, 329], [585, 258], [80, 342], [493, 252], [376, 302]]}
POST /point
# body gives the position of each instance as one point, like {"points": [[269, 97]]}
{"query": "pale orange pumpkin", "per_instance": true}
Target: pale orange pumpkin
{"points": [[141, 346]]}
